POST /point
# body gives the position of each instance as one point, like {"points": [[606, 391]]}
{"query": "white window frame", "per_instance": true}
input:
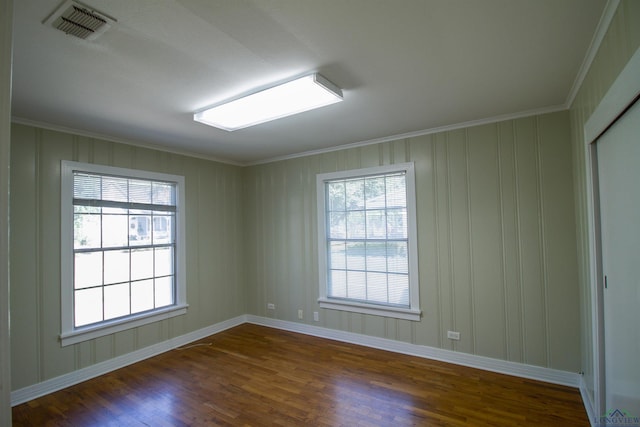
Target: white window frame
{"points": [[72, 335], [413, 312]]}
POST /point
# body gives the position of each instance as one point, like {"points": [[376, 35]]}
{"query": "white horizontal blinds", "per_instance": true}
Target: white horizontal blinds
{"points": [[367, 239], [121, 192], [124, 246]]}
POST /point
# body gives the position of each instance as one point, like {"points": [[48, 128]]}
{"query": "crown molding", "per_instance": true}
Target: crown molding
{"points": [[429, 131], [601, 30], [96, 135]]}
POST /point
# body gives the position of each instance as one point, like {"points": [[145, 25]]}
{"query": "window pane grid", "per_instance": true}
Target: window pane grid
{"points": [[367, 239], [124, 247]]}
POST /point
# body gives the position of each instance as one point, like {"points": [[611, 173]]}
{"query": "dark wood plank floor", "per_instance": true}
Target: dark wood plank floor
{"points": [[256, 376]]}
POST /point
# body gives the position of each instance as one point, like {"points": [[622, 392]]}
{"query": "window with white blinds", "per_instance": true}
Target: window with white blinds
{"points": [[125, 246], [367, 241]]}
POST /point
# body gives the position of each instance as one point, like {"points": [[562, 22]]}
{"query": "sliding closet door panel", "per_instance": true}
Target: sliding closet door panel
{"points": [[619, 175]]}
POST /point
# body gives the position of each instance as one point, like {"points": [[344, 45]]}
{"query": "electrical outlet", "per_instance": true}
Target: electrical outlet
{"points": [[315, 316], [271, 306], [453, 335], [300, 314]]}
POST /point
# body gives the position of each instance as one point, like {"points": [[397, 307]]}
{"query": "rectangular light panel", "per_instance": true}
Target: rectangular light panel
{"points": [[303, 94]]}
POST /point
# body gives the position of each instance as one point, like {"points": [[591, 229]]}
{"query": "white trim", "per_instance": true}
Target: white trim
{"points": [[6, 61], [595, 278], [108, 138], [71, 335], [601, 30], [617, 98], [385, 311], [413, 311], [539, 373], [422, 132], [588, 403], [428, 131], [63, 381], [108, 328]]}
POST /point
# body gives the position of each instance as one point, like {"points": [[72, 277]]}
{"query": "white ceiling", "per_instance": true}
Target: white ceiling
{"points": [[404, 66]]}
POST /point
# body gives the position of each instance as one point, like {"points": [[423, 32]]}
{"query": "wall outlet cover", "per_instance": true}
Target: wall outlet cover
{"points": [[453, 335]]}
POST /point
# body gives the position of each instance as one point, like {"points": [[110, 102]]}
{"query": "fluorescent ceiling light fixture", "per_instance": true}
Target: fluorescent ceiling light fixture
{"points": [[303, 94]]}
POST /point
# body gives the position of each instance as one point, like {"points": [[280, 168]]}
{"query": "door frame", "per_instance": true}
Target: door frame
{"points": [[618, 98]]}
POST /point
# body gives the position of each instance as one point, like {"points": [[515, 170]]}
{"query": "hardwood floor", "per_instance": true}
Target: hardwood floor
{"points": [[257, 376]]}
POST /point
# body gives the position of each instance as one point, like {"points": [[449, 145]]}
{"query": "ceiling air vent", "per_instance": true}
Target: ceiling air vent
{"points": [[79, 20]]}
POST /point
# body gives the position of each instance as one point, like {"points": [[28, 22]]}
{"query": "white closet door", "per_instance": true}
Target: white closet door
{"points": [[619, 176]]}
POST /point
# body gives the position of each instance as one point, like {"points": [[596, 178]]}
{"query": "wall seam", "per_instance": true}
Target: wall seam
{"points": [[543, 241], [472, 303], [523, 329], [436, 220], [450, 236], [38, 255], [505, 315]]}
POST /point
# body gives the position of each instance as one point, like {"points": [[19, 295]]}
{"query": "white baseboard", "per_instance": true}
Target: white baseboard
{"points": [[495, 365], [539, 373], [588, 403], [54, 384]]}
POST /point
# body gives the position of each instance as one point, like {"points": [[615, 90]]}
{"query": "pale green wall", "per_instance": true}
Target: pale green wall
{"points": [[619, 44], [496, 237], [215, 290], [496, 243], [496, 225], [6, 25]]}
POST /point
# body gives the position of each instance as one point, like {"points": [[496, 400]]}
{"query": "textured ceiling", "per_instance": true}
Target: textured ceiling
{"points": [[404, 66]]}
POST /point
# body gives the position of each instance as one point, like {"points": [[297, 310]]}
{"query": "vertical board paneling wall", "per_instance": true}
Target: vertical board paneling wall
{"points": [[619, 44], [496, 240], [6, 26], [215, 281]]}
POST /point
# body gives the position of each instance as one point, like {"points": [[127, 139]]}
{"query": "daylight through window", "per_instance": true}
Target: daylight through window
{"points": [[122, 249], [367, 239], [124, 246]]}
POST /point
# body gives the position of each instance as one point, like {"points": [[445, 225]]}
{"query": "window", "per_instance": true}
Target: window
{"points": [[367, 241], [122, 249]]}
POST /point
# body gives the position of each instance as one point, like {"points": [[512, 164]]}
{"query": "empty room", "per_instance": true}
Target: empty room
{"points": [[322, 213]]}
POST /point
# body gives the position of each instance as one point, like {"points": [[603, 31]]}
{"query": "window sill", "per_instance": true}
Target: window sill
{"points": [[376, 310], [107, 328]]}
